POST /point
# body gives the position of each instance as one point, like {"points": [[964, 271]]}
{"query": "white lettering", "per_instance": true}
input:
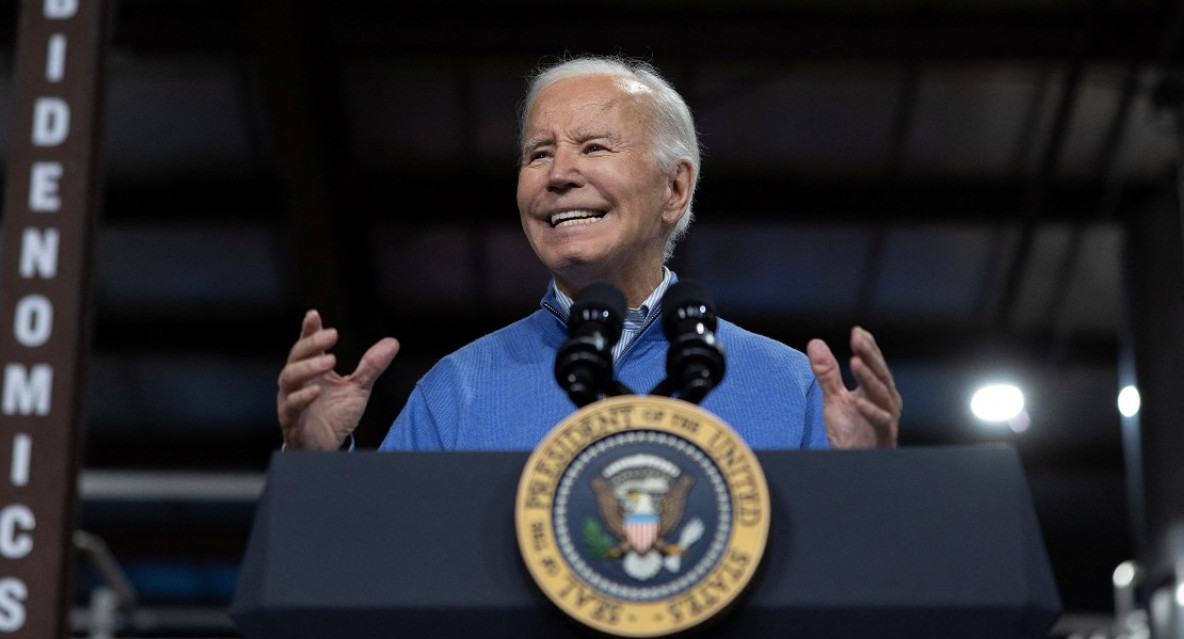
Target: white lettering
{"points": [[12, 607], [60, 9], [39, 253], [33, 323], [15, 522], [22, 450], [51, 121], [55, 58], [25, 393], [43, 187]]}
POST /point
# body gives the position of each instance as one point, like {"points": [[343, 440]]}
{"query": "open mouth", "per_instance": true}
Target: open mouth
{"points": [[571, 218]]}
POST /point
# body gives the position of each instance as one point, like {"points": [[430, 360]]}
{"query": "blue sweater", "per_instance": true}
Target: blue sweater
{"points": [[499, 392]]}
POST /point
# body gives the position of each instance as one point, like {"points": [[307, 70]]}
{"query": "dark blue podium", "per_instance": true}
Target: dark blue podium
{"points": [[910, 542]]}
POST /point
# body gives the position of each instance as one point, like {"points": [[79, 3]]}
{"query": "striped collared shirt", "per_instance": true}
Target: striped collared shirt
{"points": [[635, 318]]}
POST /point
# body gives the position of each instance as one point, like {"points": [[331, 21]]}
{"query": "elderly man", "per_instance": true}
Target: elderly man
{"points": [[608, 167]]}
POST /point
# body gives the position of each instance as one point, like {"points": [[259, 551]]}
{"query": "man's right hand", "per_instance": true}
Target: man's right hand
{"points": [[318, 408]]}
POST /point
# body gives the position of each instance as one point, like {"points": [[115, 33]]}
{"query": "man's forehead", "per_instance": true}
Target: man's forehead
{"points": [[587, 94]]}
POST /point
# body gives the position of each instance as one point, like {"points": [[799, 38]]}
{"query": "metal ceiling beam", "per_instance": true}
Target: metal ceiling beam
{"points": [[776, 29], [1050, 160], [1106, 208], [899, 131], [481, 29]]}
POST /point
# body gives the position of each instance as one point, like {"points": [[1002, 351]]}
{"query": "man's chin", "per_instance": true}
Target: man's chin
{"points": [[570, 256]]}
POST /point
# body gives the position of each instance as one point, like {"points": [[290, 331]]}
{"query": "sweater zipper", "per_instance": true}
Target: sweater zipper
{"points": [[547, 305]]}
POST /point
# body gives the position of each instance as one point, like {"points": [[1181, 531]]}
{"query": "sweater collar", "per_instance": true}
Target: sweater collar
{"points": [[635, 318]]}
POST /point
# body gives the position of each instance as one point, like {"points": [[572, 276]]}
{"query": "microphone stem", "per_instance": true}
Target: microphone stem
{"points": [[617, 388], [664, 388]]}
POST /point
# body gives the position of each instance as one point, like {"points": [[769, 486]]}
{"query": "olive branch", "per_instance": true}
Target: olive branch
{"points": [[598, 541]]}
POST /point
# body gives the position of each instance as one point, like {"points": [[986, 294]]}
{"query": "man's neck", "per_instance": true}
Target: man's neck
{"points": [[636, 290]]}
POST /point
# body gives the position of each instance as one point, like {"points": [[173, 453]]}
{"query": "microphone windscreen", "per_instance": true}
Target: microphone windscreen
{"points": [[599, 302], [686, 299]]}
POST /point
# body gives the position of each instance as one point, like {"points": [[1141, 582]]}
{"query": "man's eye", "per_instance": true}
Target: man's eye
{"points": [[594, 148]]}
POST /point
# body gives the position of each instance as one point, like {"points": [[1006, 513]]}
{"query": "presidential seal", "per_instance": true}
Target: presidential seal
{"points": [[642, 516]]}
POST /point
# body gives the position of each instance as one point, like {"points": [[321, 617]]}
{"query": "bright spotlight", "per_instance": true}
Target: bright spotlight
{"points": [[1126, 574], [997, 403], [1129, 401]]}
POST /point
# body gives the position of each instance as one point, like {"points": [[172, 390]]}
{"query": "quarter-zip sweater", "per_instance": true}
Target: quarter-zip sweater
{"points": [[499, 391]]}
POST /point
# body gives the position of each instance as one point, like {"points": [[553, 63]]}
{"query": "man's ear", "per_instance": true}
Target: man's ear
{"points": [[678, 194]]}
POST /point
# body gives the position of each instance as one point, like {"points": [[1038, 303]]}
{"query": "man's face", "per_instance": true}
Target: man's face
{"points": [[592, 199]]}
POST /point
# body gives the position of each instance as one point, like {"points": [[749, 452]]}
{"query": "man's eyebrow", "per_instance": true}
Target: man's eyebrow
{"points": [[535, 142], [594, 134], [531, 144]]}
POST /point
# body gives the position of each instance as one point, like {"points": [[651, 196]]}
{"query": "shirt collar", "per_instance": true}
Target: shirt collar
{"points": [[634, 317]]}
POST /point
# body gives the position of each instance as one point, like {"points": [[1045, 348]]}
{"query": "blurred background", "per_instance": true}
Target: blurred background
{"points": [[959, 176]]}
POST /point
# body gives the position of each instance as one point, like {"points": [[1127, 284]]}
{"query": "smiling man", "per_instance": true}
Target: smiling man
{"points": [[596, 198], [609, 164]]}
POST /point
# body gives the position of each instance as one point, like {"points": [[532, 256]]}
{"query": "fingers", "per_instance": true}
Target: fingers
{"points": [[307, 359], [871, 372], [311, 323], [872, 385], [314, 339], [878, 416], [289, 406], [883, 422], [826, 369], [864, 346], [375, 362], [881, 402], [297, 374]]}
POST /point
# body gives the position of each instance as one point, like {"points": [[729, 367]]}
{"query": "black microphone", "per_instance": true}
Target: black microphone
{"points": [[695, 358], [584, 364]]}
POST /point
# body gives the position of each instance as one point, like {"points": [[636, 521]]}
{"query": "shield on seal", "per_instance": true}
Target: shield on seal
{"points": [[641, 529]]}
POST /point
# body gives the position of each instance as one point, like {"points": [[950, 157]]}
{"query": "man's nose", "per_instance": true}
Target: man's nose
{"points": [[565, 171]]}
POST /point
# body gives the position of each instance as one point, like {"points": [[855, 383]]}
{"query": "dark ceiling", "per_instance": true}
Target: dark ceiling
{"points": [[956, 176]]}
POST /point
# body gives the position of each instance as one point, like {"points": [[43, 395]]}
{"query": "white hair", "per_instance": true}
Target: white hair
{"points": [[673, 131]]}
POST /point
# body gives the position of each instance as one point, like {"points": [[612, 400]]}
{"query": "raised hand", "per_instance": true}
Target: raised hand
{"points": [[317, 407], [867, 416]]}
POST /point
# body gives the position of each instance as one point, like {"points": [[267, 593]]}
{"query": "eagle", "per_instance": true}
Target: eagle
{"points": [[613, 512]]}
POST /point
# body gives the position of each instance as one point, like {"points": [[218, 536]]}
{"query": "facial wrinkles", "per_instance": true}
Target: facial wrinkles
{"points": [[621, 120], [589, 120], [624, 178], [533, 144]]}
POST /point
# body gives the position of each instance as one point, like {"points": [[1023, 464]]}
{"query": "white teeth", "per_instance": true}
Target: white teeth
{"points": [[568, 218]]}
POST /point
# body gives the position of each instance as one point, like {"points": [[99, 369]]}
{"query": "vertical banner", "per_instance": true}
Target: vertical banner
{"points": [[48, 210]]}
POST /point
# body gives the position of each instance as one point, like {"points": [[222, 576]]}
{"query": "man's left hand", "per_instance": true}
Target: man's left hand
{"points": [[869, 415]]}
